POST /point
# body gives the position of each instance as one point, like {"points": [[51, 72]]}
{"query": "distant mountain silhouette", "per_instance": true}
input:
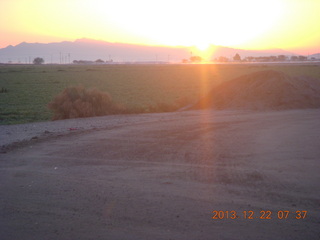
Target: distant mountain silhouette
{"points": [[316, 56], [230, 52], [88, 49]]}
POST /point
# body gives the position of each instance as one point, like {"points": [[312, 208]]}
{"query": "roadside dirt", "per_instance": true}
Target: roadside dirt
{"points": [[161, 176]]}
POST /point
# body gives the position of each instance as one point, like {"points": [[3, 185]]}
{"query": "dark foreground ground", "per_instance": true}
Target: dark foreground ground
{"points": [[161, 176]]}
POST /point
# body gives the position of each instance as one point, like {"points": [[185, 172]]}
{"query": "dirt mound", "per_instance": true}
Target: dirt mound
{"points": [[264, 90]]}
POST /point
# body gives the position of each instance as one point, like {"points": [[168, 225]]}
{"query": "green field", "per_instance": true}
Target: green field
{"points": [[29, 88]]}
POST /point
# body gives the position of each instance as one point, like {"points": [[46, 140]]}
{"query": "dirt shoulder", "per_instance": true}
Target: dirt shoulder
{"points": [[161, 176], [21, 134]]}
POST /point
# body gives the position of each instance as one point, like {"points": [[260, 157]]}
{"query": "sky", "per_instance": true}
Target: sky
{"points": [[291, 25]]}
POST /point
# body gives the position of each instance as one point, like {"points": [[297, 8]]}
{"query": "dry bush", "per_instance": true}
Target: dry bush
{"points": [[78, 102]]}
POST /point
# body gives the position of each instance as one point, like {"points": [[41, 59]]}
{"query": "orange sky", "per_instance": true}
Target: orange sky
{"points": [[250, 24]]}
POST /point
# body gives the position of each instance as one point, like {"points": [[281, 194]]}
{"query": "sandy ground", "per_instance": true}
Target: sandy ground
{"points": [[161, 176]]}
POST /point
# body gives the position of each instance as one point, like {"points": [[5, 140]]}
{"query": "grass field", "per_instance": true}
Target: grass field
{"points": [[25, 90]]}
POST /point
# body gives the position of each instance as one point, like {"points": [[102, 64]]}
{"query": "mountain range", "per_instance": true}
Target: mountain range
{"points": [[91, 50]]}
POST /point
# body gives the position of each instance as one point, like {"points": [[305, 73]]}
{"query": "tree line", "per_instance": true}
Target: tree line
{"points": [[279, 58]]}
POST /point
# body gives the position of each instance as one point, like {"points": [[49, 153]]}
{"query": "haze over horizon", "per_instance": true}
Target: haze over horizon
{"points": [[291, 25]]}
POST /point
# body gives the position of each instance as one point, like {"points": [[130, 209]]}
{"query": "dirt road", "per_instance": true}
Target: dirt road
{"points": [[162, 176]]}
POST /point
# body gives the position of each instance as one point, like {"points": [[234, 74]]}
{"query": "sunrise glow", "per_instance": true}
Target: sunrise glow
{"points": [[249, 24]]}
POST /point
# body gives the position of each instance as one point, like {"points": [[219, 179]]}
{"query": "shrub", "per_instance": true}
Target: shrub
{"points": [[78, 102]]}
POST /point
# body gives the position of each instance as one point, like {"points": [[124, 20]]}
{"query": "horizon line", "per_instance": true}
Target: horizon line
{"points": [[152, 45]]}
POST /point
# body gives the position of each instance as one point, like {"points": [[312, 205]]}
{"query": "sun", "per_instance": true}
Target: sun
{"points": [[204, 51], [226, 23], [202, 46]]}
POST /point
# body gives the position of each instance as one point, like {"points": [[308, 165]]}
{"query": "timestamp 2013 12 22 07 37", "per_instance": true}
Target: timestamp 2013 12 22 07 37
{"points": [[262, 214]]}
